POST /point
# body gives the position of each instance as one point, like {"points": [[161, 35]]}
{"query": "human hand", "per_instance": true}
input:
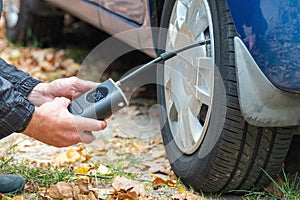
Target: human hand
{"points": [[54, 125], [69, 88]]}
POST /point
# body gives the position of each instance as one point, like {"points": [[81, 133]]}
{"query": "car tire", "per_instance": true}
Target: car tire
{"points": [[232, 154], [29, 21]]}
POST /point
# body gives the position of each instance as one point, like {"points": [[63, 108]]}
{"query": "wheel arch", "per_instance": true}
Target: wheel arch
{"points": [[262, 104]]}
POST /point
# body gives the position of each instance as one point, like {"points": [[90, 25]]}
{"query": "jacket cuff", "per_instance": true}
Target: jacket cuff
{"points": [[25, 114], [27, 85]]}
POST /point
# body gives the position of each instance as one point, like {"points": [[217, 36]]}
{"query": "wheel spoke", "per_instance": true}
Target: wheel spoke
{"points": [[204, 82], [200, 24], [179, 88], [181, 11], [185, 134], [189, 128], [195, 126], [182, 130]]}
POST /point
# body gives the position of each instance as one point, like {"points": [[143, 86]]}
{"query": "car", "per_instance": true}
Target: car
{"points": [[231, 106]]}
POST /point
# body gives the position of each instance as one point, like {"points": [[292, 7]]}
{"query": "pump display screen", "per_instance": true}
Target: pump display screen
{"points": [[96, 95]]}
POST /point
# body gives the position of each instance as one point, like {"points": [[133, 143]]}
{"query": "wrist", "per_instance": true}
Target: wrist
{"points": [[39, 94], [29, 130]]}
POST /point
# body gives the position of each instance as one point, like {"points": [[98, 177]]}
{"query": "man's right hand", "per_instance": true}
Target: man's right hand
{"points": [[54, 125]]}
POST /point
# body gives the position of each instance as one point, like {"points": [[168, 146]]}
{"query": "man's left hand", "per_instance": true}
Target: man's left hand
{"points": [[69, 88]]}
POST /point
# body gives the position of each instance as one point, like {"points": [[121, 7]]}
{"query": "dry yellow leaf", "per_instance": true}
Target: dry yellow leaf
{"points": [[82, 170], [17, 198], [171, 183], [73, 155], [182, 190]]}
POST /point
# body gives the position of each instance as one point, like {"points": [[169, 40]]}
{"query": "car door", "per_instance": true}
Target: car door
{"points": [[117, 17]]}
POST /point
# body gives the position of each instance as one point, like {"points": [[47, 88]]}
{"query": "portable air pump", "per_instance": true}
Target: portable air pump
{"points": [[108, 97]]}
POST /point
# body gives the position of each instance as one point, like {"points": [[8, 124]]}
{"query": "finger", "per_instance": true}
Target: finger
{"points": [[84, 123], [83, 86]]}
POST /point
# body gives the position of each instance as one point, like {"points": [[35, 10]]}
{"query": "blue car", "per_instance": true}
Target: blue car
{"points": [[231, 106]]}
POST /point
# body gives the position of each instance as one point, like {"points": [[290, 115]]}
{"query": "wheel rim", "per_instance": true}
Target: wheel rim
{"points": [[12, 10], [189, 77]]}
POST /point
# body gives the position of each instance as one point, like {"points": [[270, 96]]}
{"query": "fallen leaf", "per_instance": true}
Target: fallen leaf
{"points": [[158, 181], [128, 196], [61, 190], [83, 186], [72, 156], [102, 193], [82, 170], [124, 184], [182, 190], [70, 190], [171, 183], [188, 196], [17, 198]]}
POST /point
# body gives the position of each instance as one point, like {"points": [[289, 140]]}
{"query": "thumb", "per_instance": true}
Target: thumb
{"points": [[62, 101]]}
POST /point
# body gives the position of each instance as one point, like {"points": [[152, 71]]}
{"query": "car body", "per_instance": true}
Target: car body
{"points": [[232, 112]]}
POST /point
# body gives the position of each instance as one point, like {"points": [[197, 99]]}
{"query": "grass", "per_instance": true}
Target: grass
{"points": [[35, 175], [43, 176], [39, 176], [286, 187]]}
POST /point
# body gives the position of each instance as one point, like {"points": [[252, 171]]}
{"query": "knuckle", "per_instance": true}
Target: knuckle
{"points": [[73, 79]]}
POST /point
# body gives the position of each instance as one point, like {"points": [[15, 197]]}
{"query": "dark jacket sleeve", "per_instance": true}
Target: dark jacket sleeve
{"points": [[22, 81], [15, 109]]}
